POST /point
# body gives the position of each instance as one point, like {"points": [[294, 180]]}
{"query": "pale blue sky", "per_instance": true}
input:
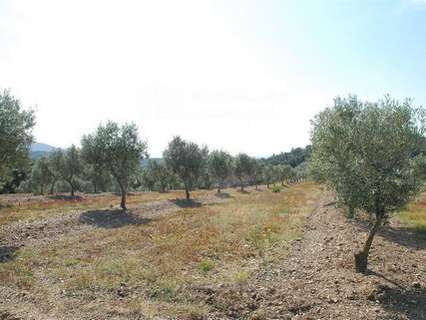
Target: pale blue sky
{"points": [[246, 76]]}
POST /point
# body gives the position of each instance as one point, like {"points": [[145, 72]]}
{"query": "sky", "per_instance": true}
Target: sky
{"points": [[239, 75]]}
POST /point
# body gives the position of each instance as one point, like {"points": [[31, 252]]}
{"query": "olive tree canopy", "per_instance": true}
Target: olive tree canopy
{"points": [[16, 137], [366, 152], [118, 149]]}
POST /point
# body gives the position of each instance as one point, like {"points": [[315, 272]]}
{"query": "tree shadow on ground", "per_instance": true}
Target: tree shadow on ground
{"points": [[223, 195], [186, 203], [65, 197], [243, 191], [7, 253], [408, 237], [407, 301], [110, 219]]}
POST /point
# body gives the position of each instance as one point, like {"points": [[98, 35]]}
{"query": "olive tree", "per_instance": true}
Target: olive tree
{"points": [[268, 175], [256, 172], [55, 164], [71, 167], [284, 173], [41, 176], [243, 168], [220, 166], [157, 173], [16, 137], [187, 160], [118, 149], [365, 152]]}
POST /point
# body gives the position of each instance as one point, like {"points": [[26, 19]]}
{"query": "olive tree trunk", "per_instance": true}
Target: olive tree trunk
{"points": [[361, 258], [187, 194], [123, 191]]}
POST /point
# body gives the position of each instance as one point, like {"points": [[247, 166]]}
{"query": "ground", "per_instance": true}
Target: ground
{"points": [[252, 255]]}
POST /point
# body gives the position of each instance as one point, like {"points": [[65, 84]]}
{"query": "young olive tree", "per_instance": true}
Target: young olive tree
{"points": [[71, 167], [187, 160], [97, 176], [243, 168], [117, 149], [157, 173], [256, 172], [16, 137], [41, 176], [220, 166], [284, 173], [55, 164], [268, 175], [365, 152]]}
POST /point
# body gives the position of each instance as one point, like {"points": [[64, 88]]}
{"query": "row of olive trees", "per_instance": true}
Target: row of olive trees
{"points": [[115, 152], [191, 163]]}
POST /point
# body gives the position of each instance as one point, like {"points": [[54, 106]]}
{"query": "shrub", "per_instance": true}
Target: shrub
{"points": [[276, 189], [206, 265]]}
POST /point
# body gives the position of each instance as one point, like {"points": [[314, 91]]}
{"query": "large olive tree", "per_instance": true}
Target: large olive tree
{"points": [[118, 149], [365, 151], [16, 137], [220, 166], [187, 160]]}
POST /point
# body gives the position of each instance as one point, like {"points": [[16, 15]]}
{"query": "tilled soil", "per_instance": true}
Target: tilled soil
{"points": [[318, 281]]}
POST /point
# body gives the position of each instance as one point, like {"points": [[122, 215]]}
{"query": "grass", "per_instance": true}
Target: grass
{"points": [[414, 217], [160, 264]]}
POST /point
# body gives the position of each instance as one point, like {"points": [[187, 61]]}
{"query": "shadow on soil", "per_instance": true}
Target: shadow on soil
{"points": [[7, 253], [110, 219], [65, 197], [407, 237], [223, 195], [185, 203], [243, 191], [404, 301]]}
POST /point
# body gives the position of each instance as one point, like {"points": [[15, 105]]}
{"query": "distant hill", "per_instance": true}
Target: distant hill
{"points": [[37, 146], [39, 150], [293, 158]]}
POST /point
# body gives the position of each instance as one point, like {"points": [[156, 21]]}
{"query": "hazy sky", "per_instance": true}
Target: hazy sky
{"points": [[246, 76]]}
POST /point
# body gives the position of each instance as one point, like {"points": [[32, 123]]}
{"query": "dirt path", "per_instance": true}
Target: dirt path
{"points": [[318, 282]]}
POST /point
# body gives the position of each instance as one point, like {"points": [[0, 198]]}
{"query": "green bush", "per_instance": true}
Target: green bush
{"points": [[206, 265], [276, 189]]}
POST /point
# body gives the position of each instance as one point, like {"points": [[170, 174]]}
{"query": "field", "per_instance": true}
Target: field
{"points": [[251, 255], [64, 257]]}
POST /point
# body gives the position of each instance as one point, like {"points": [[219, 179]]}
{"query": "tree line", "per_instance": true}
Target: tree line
{"points": [[110, 159]]}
